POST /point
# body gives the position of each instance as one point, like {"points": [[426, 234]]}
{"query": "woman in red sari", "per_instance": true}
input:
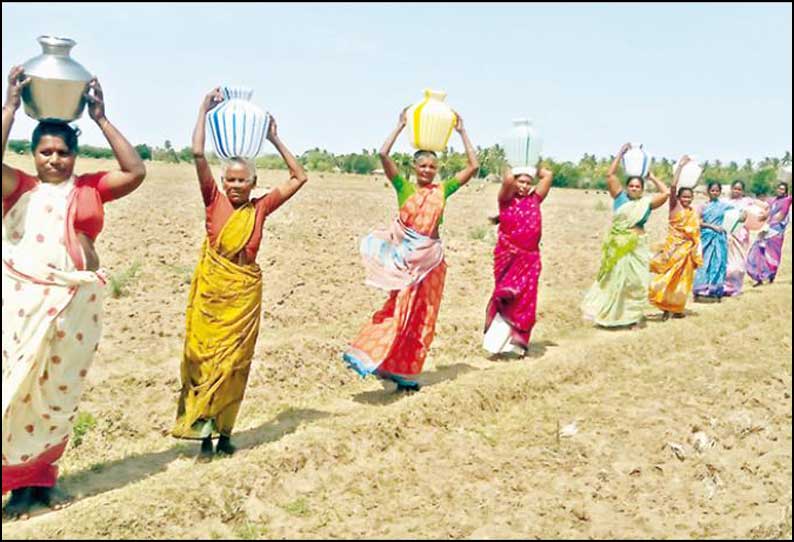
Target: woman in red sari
{"points": [[510, 315], [407, 260]]}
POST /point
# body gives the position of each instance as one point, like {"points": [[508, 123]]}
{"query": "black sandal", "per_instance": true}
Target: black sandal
{"points": [[20, 503], [408, 386]]}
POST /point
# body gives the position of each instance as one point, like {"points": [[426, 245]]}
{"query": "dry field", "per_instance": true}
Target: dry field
{"points": [[475, 454]]}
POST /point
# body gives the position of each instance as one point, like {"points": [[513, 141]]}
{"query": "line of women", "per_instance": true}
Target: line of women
{"points": [[52, 282], [701, 255]]}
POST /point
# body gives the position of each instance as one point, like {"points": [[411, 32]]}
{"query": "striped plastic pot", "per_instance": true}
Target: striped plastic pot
{"points": [[237, 127]]}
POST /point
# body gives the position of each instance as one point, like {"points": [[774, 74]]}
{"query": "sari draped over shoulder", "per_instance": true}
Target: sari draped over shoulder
{"points": [[407, 261], [675, 264], [399, 257], [765, 255], [619, 295], [710, 277], [52, 323], [222, 326]]}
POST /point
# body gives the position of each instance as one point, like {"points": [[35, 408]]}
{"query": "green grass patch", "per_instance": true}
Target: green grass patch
{"points": [[83, 424], [119, 283], [479, 233], [250, 531], [299, 507], [184, 272]]}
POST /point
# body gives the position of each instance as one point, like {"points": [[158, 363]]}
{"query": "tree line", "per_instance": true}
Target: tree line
{"points": [[589, 172]]}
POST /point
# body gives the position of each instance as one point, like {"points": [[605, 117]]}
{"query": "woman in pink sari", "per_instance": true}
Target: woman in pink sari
{"points": [[510, 315], [767, 251]]}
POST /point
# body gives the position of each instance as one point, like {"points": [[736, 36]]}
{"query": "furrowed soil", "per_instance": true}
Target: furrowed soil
{"points": [[682, 428]]}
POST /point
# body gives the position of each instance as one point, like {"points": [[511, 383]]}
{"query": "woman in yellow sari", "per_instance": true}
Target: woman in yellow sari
{"points": [[619, 296], [675, 264], [225, 300]]}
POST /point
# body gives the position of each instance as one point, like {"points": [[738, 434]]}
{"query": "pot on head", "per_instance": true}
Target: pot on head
{"points": [[57, 82]]}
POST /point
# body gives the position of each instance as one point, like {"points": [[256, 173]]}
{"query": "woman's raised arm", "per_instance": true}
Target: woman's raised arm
{"points": [[468, 172], [132, 171], [613, 183], [16, 82], [389, 167]]}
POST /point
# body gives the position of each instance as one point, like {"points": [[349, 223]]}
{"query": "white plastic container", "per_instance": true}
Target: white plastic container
{"points": [[690, 173], [636, 161], [522, 147], [237, 127], [497, 338], [430, 122]]}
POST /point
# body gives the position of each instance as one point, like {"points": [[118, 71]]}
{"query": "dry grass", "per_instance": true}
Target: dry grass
{"points": [[325, 454]]}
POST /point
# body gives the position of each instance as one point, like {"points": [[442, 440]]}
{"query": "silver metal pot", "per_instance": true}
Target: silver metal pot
{"points": [[58, 83]]}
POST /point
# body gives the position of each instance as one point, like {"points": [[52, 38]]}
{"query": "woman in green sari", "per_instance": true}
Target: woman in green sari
{"points": [[619, 296]]}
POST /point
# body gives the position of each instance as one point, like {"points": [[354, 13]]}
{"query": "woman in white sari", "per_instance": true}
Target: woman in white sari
{"points": [[52, 292]]}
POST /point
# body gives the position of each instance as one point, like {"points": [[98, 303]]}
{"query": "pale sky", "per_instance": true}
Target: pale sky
{"points": [[712, 80]]}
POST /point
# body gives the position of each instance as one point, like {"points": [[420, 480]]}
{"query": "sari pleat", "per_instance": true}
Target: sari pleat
{"points": [[222, 325], [675, 264], [393, 345], [52, 323], [764, 257], [516, 268], [619, 295], [710, 277], [738, 248]]}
